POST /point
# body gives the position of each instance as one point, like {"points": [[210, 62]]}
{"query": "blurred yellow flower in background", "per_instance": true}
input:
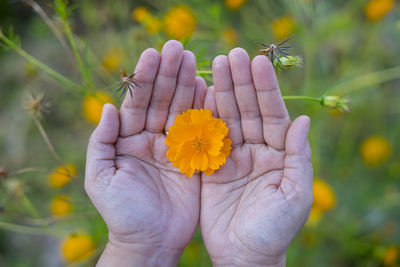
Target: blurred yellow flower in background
{"points": [[198, 142], [315, 216], [283, 27], [61, 206], [93, 106], [324, 199], [377, 9], [62, 175], [140, 13], [180, 22], [375, 150], [230, 36], [153, 24], [77, 247], [112, 59], [391, 256], [234, 4]]}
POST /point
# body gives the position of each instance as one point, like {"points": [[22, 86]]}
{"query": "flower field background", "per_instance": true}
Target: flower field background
{"points": [[58, 61]]}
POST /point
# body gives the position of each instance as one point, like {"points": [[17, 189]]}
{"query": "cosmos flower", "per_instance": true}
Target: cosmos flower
{"points": [[61, 206], [377, 9], [179, 22], [375, 150], [77, 247], [234, 4], [198, 142], [93, 106], [60, 176]]}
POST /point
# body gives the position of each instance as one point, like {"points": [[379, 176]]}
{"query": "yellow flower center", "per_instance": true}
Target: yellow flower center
{"points": [[200, 143]]}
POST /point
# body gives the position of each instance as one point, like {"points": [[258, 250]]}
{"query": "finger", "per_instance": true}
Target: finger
{"points": [[246, 98], [101, 152], [225, 98], [209, 101], [275, 117], [184, 92], [200, 93], [164, 86], [297, 166], [134, 108]]}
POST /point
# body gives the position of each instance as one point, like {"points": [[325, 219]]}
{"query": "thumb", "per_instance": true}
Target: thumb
{"points": [[101, 151], [298, 165]]}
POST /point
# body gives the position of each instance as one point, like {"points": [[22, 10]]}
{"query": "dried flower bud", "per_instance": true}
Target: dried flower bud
{"points": [[37, 105], [289, 62], [14, 188], [335, 102], [3, 172]]}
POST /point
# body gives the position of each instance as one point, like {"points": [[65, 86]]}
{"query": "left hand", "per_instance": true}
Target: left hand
{"points": [[254, 205]]}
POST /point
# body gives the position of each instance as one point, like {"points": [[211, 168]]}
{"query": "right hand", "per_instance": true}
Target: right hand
{"points": [[150, 208]]}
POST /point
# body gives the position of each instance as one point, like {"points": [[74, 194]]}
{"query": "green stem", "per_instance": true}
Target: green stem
{"points": [[302, 97], [78, 57], [365, 81], [29, 206], [203, 72], [55, 75], [39, 10], [25, 229], [27, 170]]}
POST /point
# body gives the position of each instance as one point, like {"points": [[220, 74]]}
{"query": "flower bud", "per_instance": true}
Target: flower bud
{"points": [[334, 102], [289, 62], [3, 172]]}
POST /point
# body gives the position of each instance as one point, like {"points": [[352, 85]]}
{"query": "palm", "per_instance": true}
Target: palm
{"points": [[142, 198], [249, 206], [146, 184]]}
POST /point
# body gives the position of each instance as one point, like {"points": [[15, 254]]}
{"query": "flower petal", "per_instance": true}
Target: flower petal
{"points": [[197, 142], [199, 161]]}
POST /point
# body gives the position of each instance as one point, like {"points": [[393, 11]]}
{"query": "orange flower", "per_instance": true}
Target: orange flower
{"points": [[283, 27], [93, 106], [180, 22], [140, 13], [61, 206], [375, 150], [62, 175], [391, 256], [77, 247], [377, 9], [198, 142], [234, 4], [324, 200], [324, 197]]}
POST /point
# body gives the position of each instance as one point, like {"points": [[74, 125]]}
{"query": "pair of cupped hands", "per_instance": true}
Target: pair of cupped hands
{"points": [[249, 210]]}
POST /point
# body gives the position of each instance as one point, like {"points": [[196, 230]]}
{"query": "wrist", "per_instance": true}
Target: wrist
{"points": [[250, 261], [127, 254]]}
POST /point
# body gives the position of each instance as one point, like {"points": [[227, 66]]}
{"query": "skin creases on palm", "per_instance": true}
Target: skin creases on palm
{"points": [[144, 201], [255, 204], [245, 208], [147, 195]]}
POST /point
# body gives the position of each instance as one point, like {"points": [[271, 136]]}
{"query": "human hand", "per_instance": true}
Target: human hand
{"points": [[255, 204], [150, 208]]}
